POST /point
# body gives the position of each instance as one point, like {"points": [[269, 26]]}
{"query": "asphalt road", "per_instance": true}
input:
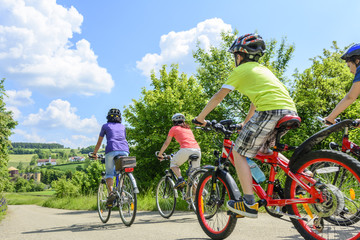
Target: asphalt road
{"points": [[29, 222]]}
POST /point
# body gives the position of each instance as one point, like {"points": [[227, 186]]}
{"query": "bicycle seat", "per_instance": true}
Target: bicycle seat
{"points": [[193, 157], [288, 122]]}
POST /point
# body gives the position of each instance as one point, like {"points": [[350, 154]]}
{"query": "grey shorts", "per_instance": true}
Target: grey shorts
{"points": [[259, 132], [183, 155]]}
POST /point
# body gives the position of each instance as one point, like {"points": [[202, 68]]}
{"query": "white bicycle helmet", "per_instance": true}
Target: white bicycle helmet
{"points": [[178, 117]]}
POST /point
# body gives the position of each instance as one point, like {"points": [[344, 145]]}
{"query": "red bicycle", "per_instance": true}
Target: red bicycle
{"points": [[308, 189]]}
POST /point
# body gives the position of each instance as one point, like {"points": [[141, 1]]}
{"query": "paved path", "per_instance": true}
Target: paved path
{"points": [[29, 222]]}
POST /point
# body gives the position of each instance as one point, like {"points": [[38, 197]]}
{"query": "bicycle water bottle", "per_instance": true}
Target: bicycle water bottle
{"points": [[256, 172]]}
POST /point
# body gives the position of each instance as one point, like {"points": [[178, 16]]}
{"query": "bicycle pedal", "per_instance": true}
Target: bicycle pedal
{"points": [[230, 213]]}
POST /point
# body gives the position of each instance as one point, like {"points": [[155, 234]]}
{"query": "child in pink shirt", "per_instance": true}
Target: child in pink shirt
{"points": [[188, 146]]}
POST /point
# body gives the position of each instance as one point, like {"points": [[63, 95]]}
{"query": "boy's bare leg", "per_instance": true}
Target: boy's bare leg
{"points": [[243, 172]]}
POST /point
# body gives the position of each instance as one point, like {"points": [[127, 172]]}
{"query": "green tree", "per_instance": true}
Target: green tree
{"points": [[319, 88], [217, 64], [6, 124], [150, 119]]}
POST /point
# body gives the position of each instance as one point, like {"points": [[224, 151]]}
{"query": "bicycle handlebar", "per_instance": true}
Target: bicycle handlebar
{"points": [[90, 155], [224, 126], [337, 120], [166, 157]]}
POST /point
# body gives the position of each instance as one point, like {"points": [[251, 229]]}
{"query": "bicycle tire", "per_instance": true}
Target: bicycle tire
{"points": [[211, 209], [127, 200], [103, 210], [166, 197], [195, 178], [327, 220]]}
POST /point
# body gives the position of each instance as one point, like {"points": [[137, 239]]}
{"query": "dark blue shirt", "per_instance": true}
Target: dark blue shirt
{"points": [[357, 75], [115, 136]]}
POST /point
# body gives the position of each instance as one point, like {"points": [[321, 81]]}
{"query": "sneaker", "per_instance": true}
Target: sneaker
{"points": [[242, 208], [110, 199], [180, 183]]}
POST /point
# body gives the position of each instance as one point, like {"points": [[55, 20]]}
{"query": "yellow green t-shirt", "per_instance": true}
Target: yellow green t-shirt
{"points": [[262, 87]]}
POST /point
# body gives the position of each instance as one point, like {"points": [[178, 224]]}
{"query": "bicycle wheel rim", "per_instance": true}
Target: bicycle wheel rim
{"points": [[165, 197], [214, 218], [321, 217], [127, 201], [103, 210]]}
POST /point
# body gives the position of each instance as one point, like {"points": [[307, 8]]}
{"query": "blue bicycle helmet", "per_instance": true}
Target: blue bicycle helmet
{"points": [[354, 50]]}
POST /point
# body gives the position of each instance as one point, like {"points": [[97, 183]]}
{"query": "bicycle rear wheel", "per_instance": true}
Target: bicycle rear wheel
{"points": [[103, 210], [211, 208], [195, 179], [127, 200], [166, 197], [338, 180]]}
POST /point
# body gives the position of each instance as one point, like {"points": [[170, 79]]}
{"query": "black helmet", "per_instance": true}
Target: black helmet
{"points": [[114, 112], [251, 44], [354, 50], [114, 115]]}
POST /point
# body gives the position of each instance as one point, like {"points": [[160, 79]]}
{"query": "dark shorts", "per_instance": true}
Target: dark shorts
{"points": [[259, 132]]}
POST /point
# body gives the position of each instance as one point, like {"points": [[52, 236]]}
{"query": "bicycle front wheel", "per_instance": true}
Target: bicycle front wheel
{"points": [[166, 197], [211, 208], [195, 179], [103, 210], [127, 200], [338, 181]]}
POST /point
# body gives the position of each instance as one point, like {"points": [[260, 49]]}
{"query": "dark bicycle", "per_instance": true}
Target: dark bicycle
{"points": [[125, 188], [166, 194]]}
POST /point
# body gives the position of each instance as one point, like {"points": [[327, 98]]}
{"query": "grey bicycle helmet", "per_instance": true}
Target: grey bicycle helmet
{"points": [[178, 117], [251, 44]]}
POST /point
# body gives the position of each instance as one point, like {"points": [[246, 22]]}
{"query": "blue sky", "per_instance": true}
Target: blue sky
{"points": [[66, 62]]}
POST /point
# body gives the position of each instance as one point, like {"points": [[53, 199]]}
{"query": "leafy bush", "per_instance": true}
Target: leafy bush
{"points": [[64, 188]]}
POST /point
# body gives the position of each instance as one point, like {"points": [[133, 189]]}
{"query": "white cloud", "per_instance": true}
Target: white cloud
{"points": [[18, 98], [78, 141], [59, 114], [30, 137], [35, 49], [16, 113], [177, 47]]}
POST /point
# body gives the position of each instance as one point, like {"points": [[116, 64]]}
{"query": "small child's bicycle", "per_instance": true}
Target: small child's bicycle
{"points": [[318, 190], [166, 194], [125, 188]]}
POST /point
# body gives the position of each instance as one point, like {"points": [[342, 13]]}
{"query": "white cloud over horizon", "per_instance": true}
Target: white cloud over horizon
{"points": [[76, 141], [31, 137], [60, 115], [177, 47], [35, 49]]}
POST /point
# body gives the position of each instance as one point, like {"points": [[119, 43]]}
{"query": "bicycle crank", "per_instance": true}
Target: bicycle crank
{"points": [[319, 224]]}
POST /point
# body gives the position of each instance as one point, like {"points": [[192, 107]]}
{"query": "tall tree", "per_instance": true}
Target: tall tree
{"points": [[150, 119], [319, 88], [217, 64], [6, 124]]}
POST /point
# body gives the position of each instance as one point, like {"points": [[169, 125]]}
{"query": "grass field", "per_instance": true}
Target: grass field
{"points": [[72, 167], [15, 159], [35, 198]]}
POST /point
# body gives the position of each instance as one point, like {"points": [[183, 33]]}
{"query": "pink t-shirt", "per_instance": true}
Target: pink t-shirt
{"points": [[184, 137]]}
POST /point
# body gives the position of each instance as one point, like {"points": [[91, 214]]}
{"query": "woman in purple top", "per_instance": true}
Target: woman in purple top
{"points": [[116, 145]]}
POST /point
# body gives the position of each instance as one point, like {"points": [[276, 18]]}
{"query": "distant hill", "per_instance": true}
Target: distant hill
{"points": [[36, 145]]}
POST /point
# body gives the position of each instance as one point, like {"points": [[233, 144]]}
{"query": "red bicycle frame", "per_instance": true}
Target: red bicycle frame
{"points": [[304, 180]]}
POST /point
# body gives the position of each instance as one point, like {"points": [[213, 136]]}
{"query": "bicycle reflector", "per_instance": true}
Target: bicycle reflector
{"points": [[129, 169], [352, 194]]}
